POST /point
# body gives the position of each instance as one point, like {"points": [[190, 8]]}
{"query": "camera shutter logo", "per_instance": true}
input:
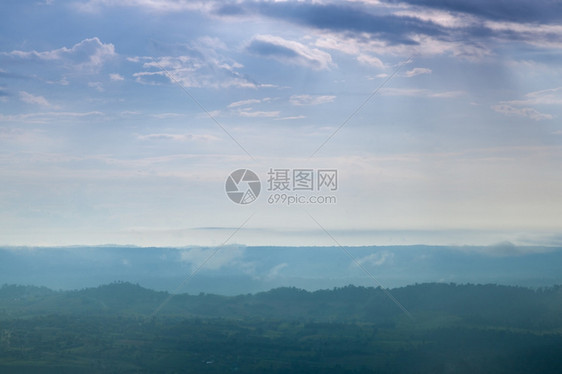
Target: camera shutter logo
{"points": [[243, 186]]}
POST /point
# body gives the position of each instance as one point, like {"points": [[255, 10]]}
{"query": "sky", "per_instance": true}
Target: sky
{"points": [[120, 121]]}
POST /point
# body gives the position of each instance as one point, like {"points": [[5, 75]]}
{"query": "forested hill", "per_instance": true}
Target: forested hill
{"points": [[474, 304]]}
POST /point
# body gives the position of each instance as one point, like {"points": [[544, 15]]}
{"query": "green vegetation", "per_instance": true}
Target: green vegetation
{"points": [[112, 329]]}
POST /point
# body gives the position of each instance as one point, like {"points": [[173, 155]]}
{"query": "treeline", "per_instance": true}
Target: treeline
{"points": [[118, 344], [125, 328], [478, 305]]}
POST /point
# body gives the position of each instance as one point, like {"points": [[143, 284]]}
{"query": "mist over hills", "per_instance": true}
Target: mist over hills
{"points": [[239, 269]]}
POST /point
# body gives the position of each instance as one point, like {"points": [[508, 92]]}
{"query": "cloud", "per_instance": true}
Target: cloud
{"points": [[551, 96], [417, 92], [28, 98], [227, 256], [370, 60], [442, 18], [178, 137], [116, 77], [513, 10], [468, 29], [96, 85], [192, 72], [46, 117], [244, 103], [249, 113], [376, 259], [166, 115], [417, 71], [531, 113], [89, 54], [505, 248], [243, 108], [342, 18], [274, 271], [311, 99], [149, 5], [522, 107], [465, 29], [350, 46], [199, 65], [289, 51], [29, 137], [290, 118]]}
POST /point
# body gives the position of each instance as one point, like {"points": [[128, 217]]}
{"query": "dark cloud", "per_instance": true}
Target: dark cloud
{"points": [[339, 18], [536, 11], [360, 21]]}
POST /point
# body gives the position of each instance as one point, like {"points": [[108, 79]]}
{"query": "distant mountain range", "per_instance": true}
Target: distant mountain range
{"points": [[238, 269]]}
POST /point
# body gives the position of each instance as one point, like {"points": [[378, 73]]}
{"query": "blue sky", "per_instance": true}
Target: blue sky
{"points": [[121, 120]]}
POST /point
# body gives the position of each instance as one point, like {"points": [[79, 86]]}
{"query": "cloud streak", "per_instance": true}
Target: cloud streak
{"points": [[531, 113], [300, 100], [89, 54], [289, 51], [28, 98]]}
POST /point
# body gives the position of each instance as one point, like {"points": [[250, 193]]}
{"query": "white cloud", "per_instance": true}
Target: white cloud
{"points": [[178, 137], [28, 98], [249, 113], [227, 256], [116, 77], [29, 137], [439, 17], [88, 54], [274, 271], [46, 117], [311, 99], [376, 259], [417, 71], [166, 115], [204, 68], [290, 118], [63, 82], [531, 113], [417, 92], [244, 103], [447, 94], [97, 85], [370, 60], [149, 5], [522, 108], [551, 96], [352, 47]]}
